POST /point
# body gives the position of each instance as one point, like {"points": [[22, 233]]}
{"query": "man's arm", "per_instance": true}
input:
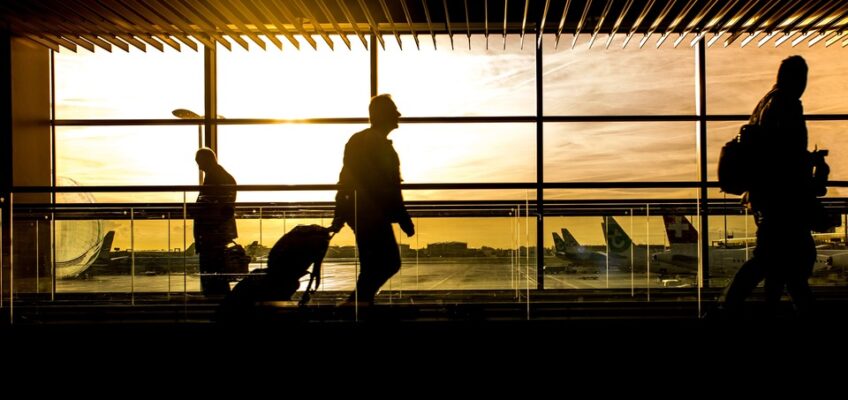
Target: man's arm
{"points": [[344, 196]]}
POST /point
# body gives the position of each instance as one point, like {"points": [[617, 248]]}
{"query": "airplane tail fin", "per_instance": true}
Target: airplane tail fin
{"points": [[617, 240], [559, 244], [679, 230], [105, 247], [568, 239]]}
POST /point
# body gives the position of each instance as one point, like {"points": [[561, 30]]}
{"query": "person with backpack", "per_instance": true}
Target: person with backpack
{"points": [[782, 196], [369, 200]]}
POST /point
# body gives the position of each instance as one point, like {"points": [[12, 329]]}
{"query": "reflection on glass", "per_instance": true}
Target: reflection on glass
{"points": [[429, 153], [628, 250], [127, 155], [737, 78], [466, 152], [305, 83], [454, 254], [127, 85], [616, 81], [828, 135], [458, 82], [620, 151], [286, 153]]}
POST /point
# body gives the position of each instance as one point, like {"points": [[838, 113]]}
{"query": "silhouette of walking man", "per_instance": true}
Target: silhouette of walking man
{"points": [[214, 221], [369, 199], [783, 200]]}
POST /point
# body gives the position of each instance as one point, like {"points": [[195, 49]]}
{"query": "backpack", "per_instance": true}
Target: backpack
{"points": [[738, 160]]}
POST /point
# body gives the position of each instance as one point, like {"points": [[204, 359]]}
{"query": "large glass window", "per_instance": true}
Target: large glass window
{"points": [[821, 134], [442, 81], [737, 78], [303, 83], [127, 155], [616, 81], [620, 151], [130, 84]]}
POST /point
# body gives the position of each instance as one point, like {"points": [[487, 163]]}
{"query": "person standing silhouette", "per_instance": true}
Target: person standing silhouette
{"points": [[369, 199], [783, 200], [214, 221]]}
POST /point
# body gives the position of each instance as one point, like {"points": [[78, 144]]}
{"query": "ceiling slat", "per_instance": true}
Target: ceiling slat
{"points": [[372, 23], [315, 24], [541, 28], [718, 21], [429, 22], [61, 41], [79, 42], [45, 42], [283, 13], [581, 22], [189, 23], [600, 23], [562, 22], [524, 22], [467, 24], [485, 21], [207, 10], [191, 15], [638, 22], [617, 24], [139, 16], [391, 21], [329, 15], [693, 23], [352, 22], [795, 15], [447, 21], [151, 10], [506, 18], [412, 31], [117, 42], [98, 41], [766, 24], [278, 24], [676, 21], [118, 10], [790, 30], [164, 27], [230, 8]]}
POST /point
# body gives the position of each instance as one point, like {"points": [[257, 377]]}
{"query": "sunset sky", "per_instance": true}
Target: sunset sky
{"points": [[428, 82]]}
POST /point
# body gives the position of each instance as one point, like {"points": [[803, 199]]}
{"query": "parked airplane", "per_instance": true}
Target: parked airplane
{"points": [[619, 243], [97, 253], [577, 255], [143, 262], [724, 262]]}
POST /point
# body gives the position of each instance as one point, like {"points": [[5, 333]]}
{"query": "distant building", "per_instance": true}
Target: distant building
{"points": [[447, 249]]}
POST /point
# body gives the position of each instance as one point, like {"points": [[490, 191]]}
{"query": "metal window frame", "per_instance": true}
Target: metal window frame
{"points": [[700, 116]]}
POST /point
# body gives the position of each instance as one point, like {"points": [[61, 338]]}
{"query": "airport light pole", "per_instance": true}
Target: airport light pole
{"points": [[183, 113]]}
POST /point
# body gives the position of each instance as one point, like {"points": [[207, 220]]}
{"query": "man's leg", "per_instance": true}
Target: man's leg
{"points": [[798, 275], [746, 279], [379, 260], [212, 262]]}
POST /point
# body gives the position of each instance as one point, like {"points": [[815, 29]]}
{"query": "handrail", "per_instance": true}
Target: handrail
{"points": [[405, 186], [427, 120]]}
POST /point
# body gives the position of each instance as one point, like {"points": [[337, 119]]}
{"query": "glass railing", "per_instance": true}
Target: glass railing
{"points": [[463, 251]]}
